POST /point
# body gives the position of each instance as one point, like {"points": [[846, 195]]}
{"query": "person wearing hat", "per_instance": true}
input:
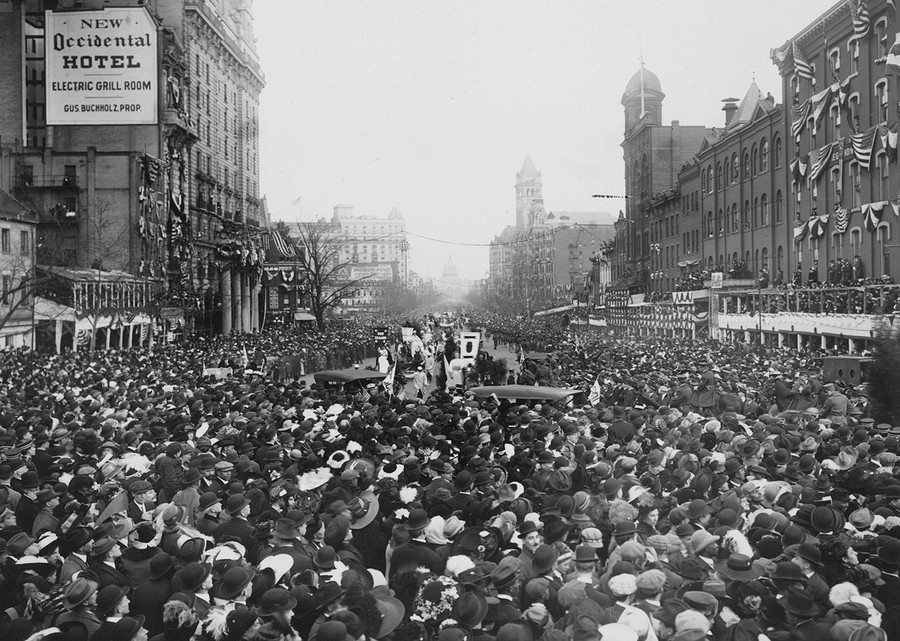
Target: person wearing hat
{"points": [[79, 601], [531, 539], [235, 587], [285, 539], [195, 579], [188, 497], [237, 528], [78, 540], [224, 473], [45, 520], [28, 507], [142, 503], [276, 607], [207, 517], [706, 549], [623, 588], [416, 552], [104, 554], [650, 585], [112, 606], [808, 557], [150, 597]]}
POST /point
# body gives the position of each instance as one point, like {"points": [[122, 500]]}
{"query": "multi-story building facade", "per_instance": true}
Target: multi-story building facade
{"points": [[376, 250], [733, 192], [17, 246], [153, 172], [654, 154]]}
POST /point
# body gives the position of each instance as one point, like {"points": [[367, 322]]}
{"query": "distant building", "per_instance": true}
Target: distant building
{"points": [[377, 251], [17, 277], [450, 282]]}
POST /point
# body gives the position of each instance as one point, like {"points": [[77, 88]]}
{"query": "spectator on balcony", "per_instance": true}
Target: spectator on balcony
{"points": [[859, 271]]}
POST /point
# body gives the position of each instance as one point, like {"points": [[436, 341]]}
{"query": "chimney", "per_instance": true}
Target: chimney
{"points": [[729, 109]]}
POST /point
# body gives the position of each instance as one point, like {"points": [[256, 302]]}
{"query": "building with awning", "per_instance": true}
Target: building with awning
{"points": [[77, 307]]}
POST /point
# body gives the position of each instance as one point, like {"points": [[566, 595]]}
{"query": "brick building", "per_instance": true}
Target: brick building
{"points": [[654, 154], [172, 199]]}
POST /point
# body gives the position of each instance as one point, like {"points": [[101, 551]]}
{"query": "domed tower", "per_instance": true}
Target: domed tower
{"points": [[643, 97], [529, 191]]}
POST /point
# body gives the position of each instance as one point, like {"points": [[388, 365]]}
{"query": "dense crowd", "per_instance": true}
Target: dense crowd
{"points": [[690, 492]]}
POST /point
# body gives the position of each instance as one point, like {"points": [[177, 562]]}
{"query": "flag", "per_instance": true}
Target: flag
{"points": [[596, 392], [892, 142], [800, 232], [801, 66], [841, 219], [862, 144], [819, 102], [822, 160], [388, 382], [799, 114], [364, 395], [872, 213], [401, 395], [281, 244], [859, 13], [892, 60]]}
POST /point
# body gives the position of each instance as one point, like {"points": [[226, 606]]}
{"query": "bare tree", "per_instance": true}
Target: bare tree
{"points": [[328, 275], [107, 243]]}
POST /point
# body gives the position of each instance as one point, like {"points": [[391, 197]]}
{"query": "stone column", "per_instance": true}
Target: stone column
{"points": [[246, 312], [225, 290], [236, 302], [254, 306]]}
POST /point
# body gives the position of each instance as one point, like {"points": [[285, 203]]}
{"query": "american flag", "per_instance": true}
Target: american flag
{"points": [[596, 393], [801, 66], [860, 15], [281, 244]]}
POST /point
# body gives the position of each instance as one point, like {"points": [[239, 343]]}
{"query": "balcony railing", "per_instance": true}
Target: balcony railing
{"points": [[43, 181]]}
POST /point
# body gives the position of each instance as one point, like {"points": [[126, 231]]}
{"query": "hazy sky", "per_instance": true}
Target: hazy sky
{"points": [[431, 106]]}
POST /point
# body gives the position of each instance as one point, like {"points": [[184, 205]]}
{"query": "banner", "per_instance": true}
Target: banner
{"points": [[468, 344], [101, 67]]}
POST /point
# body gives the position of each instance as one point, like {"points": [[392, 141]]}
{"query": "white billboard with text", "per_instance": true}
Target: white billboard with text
{"points": [[101, 67]]}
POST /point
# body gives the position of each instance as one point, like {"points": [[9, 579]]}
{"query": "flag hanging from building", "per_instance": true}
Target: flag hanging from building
{"points": [[801, 66], [841, 219], [799, 115], [862, 144], [281, 244], [859, 13], [892, 60], [821, 161], [596, 392], [800, 232], [872, 213]]}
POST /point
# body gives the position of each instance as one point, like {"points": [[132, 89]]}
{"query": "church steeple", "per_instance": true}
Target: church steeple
{"points": [[529, 194]]}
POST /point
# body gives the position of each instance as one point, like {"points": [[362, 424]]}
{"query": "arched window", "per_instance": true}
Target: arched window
{"points": [[764, 258], [645, 174], [779, 257], [725, 178], [710, 225], [719, 228], [855, 241], [884, 174], [702, 180], [881, 101], [856, 184], [754, 160], [746, 166], [735, 218], [764, 156], [764, 210], [709, 179], [734, 169], [835, 116], [853, 51], [746, 219], [882, 237], [777, 151], [779, 206]]}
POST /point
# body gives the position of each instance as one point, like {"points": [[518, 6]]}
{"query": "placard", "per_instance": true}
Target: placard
{"points": [[101, 67]]}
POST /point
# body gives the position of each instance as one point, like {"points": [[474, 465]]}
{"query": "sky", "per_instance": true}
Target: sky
{"points": [[431, 106]]}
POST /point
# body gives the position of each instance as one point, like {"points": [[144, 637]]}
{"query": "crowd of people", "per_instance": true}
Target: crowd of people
{"points": [[690, 492]]}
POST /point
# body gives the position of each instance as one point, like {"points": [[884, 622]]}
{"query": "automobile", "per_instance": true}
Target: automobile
{"points": [[351, 378], [526, 392]]}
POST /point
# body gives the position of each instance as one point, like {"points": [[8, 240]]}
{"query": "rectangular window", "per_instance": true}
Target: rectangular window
{"points": [[24, 242], [854, 55], [4, 240], [881, 100], [854, 112], [4, 292]]}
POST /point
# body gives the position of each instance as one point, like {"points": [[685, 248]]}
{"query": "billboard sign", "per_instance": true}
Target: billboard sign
{"points": [[101, 67]]}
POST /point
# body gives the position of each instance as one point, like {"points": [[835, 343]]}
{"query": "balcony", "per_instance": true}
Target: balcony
{"points": [[30, 181]]}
